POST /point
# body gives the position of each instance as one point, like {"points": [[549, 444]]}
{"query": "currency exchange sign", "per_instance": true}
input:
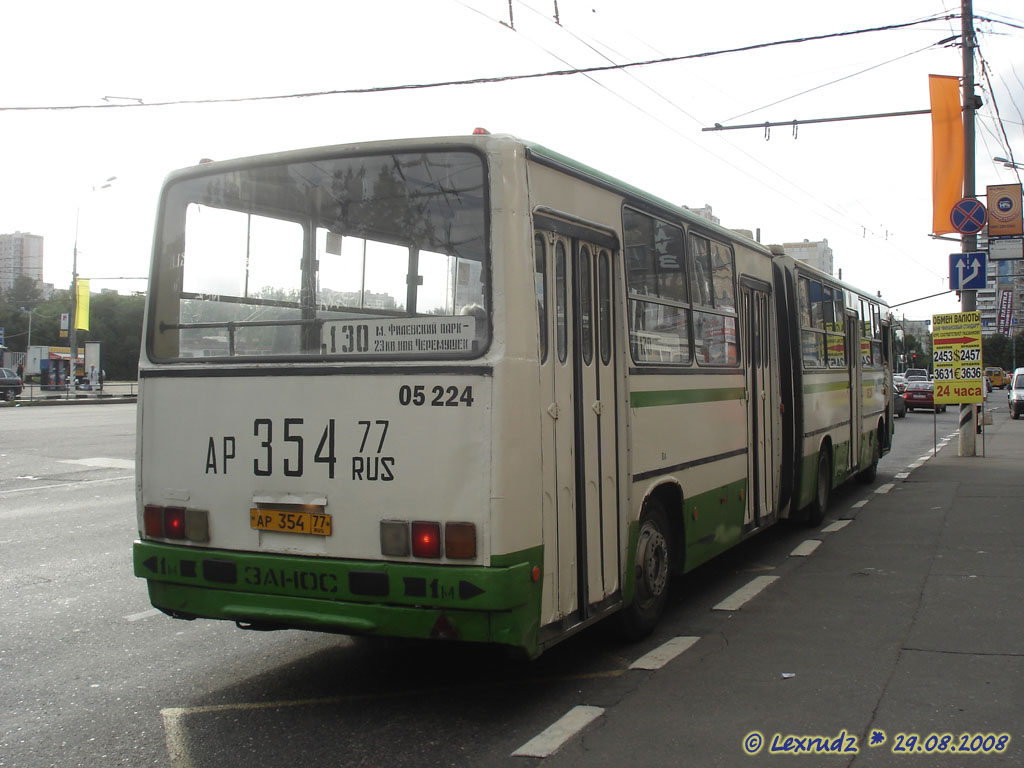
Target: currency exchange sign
{"points": [[956, 358]]}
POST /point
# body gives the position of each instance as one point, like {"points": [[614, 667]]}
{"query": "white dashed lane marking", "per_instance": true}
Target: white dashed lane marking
{"points": [[805, 548], [555, 735], [737, 599], [664, 653], [838, 525]]}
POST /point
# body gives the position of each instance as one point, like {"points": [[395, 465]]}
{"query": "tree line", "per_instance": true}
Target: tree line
{"points": [[114, 320]]}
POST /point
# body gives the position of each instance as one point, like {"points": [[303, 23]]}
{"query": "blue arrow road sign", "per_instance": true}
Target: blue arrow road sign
{"points": [[967, 271]]}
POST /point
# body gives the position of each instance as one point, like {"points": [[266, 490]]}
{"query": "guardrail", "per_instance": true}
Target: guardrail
{"points": [[36, 393]]}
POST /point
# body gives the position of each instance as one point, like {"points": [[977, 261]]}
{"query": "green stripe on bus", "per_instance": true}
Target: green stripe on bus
{"points": [[683, 396]]}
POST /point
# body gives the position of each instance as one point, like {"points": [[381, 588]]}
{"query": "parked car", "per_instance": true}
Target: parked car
{"points": [[899, 405], [10, 384], [921, 394], [1015, 393], [997, 377]]}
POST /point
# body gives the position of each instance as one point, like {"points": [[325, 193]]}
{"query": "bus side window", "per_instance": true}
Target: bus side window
{"points": [[604, 306], [561, 299], [540, 280]]}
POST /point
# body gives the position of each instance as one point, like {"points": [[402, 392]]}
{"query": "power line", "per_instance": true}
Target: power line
{"points": [[838, 80], [995, 106], [840, 223], [483, 80]]}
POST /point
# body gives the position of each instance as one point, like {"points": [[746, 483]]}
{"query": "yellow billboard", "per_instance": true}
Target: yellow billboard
{"points": [[956, 358]]}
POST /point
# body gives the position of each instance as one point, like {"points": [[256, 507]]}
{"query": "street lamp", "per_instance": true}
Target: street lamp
{"points": [[72, 340], [28, 343], [1008, 163]]}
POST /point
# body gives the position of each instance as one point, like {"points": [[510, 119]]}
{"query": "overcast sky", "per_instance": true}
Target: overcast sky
{"points": [[863, 185]]}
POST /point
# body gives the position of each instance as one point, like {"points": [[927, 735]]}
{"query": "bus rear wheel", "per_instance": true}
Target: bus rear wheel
{"points": [[651, 568]]}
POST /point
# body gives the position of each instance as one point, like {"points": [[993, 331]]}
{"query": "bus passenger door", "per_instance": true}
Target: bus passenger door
{"points": [[760, 404], [853, 364], [580, 423]]}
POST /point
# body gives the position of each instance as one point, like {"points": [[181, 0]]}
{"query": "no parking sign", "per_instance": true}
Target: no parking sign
{"points": [[968, 216]]}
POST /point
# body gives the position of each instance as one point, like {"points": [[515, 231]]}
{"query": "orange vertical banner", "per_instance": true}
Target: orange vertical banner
{"points": [[947, 149]]}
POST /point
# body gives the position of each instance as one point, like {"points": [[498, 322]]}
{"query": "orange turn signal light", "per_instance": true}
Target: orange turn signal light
{"points": [[460, 541]]}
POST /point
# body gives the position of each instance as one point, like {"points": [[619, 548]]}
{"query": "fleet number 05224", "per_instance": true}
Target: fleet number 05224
{"points": [[425, 394]]}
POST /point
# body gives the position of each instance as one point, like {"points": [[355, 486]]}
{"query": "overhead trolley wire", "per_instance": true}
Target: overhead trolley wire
{"points": [[482, 80]]}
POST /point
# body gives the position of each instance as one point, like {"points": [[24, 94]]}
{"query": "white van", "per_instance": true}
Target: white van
{"points": [[1015, 393]]}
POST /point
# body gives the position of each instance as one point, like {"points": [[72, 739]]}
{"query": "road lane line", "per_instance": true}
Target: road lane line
{"points": [[736, 600], [548, 741], [102, 462], [861, 503], [664, 653], [805, 548], [143, 614], [885, 488], [74, 484], [838, 525]]}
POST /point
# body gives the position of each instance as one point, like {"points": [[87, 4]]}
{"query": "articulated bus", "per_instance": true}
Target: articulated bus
{"points": [[468, 388]]}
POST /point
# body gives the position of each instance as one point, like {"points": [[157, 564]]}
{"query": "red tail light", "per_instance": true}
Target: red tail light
{"points": [[174, 522], [426, 539]]}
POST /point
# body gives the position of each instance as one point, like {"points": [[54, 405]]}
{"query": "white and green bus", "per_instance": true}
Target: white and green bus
{"points": [[469, 388]]}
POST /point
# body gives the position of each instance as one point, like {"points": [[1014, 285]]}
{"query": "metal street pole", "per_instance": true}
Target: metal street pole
{"points": [[969, 243], [72, 339]]}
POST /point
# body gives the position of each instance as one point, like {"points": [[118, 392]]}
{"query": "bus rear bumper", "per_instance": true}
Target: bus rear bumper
{"points": [[496, 604]]}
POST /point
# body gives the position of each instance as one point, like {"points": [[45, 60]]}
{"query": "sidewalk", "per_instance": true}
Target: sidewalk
{"points": [[908, 620]]}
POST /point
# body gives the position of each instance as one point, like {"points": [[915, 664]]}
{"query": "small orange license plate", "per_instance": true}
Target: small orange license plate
{"points": [[290, 521]]}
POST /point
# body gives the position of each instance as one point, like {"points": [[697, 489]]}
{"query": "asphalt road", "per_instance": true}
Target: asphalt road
{"points": [[90, 675]]}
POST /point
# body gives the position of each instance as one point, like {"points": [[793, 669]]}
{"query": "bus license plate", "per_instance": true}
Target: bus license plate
{"points": [[315, 523]]}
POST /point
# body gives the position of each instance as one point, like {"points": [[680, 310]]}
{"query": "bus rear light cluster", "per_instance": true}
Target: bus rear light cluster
{"points": [[176, 523], [400, 538]]}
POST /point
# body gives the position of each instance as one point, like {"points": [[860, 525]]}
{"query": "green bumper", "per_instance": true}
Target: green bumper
{"points": [[495, 604]]}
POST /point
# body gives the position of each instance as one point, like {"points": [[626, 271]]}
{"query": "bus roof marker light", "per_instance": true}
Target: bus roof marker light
{"points": [[394, 538], [460, 541], [426, 539]]}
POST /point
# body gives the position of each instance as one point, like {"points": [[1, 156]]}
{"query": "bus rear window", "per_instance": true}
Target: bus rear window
{"points": [[352, 257]]}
